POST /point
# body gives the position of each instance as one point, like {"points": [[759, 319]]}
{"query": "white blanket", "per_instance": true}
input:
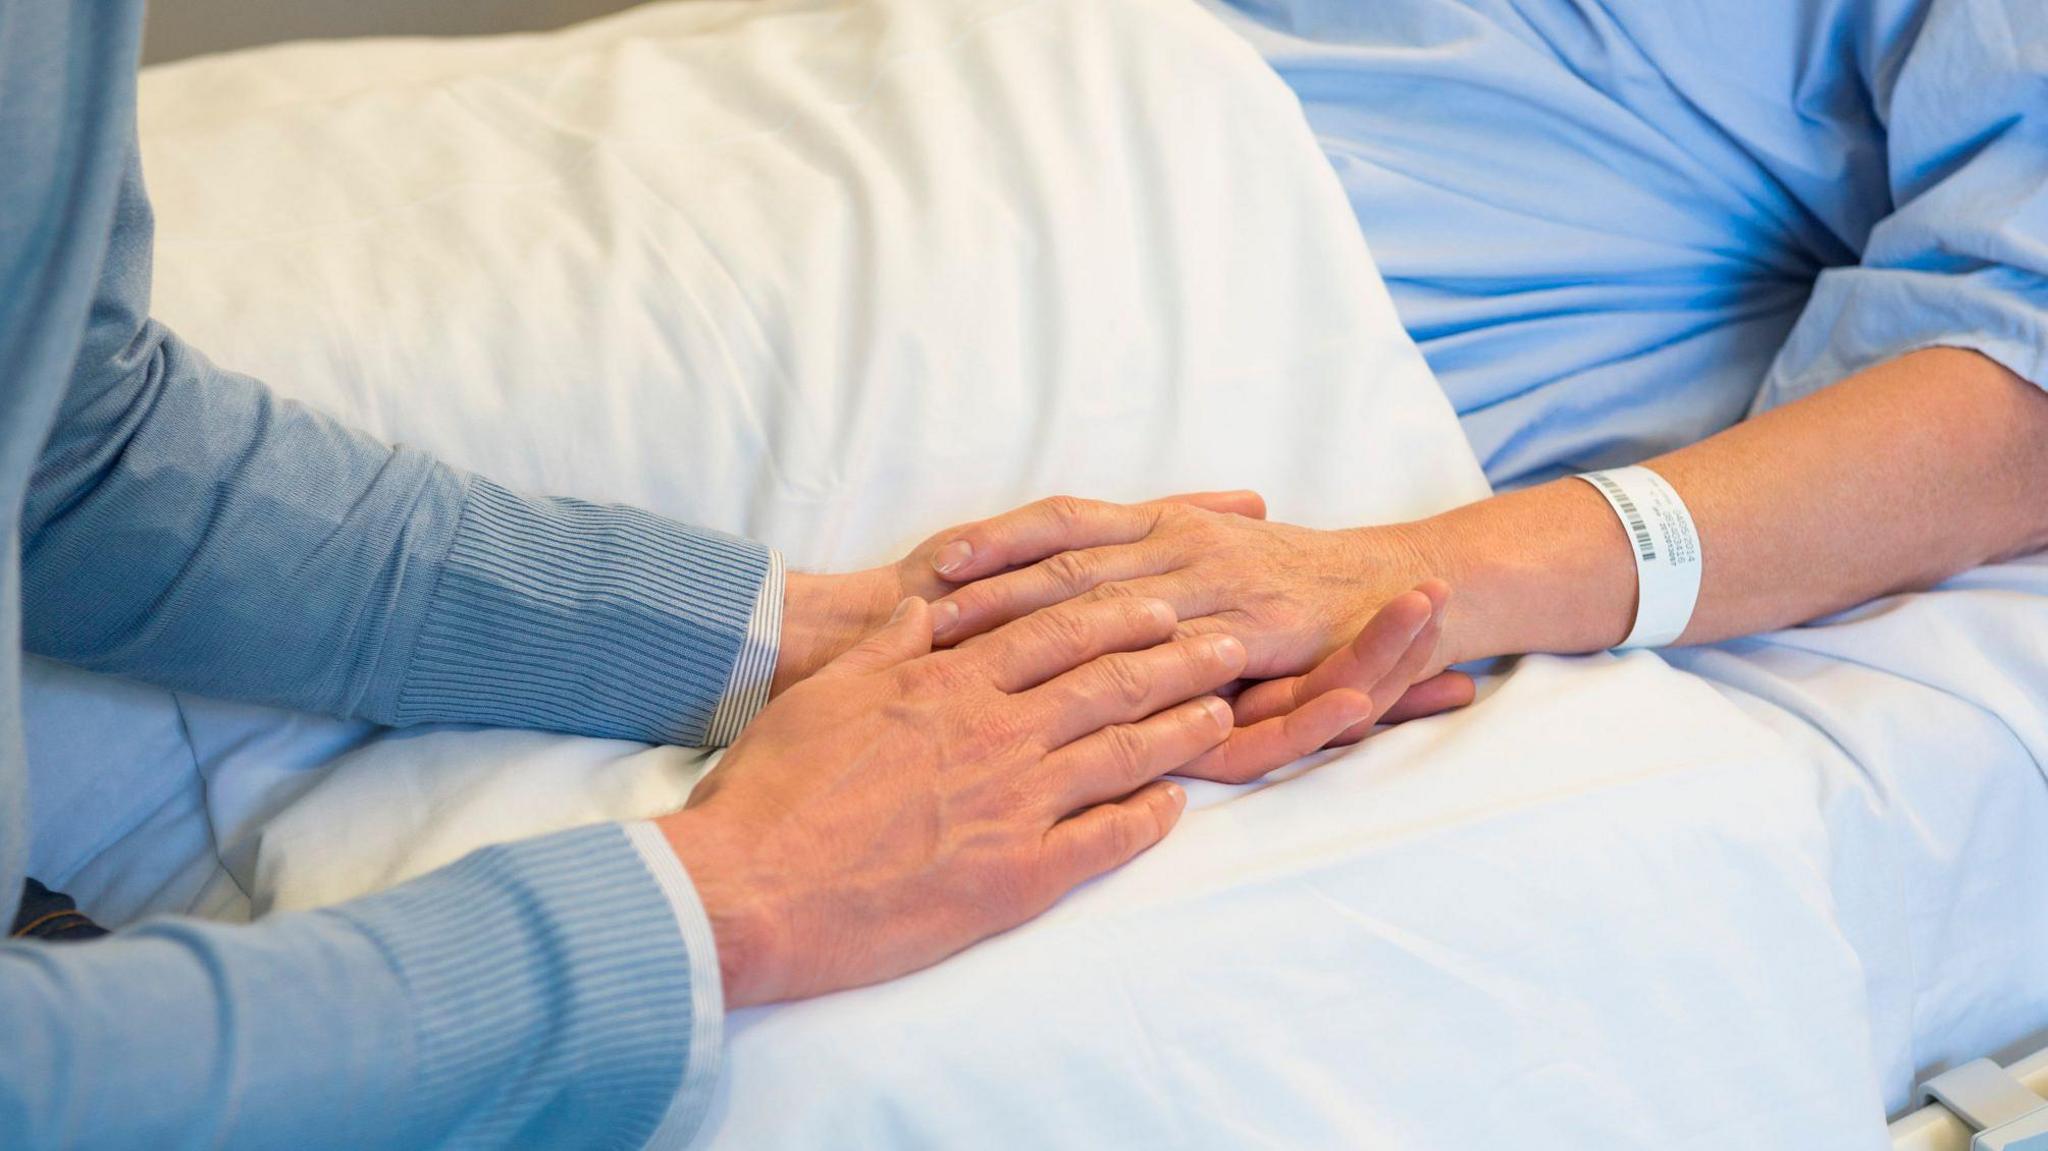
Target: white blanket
{"points": [[833, 273]]}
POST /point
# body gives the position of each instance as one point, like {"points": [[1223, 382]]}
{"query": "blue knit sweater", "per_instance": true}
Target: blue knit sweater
{"points": [[174, 522]]}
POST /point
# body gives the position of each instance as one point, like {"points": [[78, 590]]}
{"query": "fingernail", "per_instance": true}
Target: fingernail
{"points": [[1219, 712], [945, 614], [952, 557], [1226, 649], [902, 608], [1176, 795], [1162, 612]]}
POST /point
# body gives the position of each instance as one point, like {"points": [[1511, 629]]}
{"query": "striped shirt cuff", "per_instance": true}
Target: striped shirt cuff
{"points": [[591, 618], [707, 1028], [746, 693]]}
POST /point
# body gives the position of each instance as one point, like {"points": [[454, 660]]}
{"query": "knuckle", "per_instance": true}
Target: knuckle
{"points": [[1130, 605], [1124, 748], [1123, 681], [1063, 630], [1067, 511], [1070, 571], [1138, 613], [1103, 593], [1199, 659]]}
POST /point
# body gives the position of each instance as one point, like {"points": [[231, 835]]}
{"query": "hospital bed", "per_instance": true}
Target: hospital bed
{"points": [[831, 274]]}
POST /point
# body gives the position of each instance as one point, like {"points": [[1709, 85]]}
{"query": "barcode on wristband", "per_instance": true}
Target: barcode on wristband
{"points": [[1631, 516], [1667, 555]]}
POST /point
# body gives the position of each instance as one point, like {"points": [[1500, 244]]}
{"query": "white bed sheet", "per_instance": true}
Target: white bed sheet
{"points": [[831, 273], [1923, 722]]}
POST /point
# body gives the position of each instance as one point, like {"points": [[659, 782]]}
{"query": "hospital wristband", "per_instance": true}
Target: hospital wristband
{"points": [[1666, 547]]}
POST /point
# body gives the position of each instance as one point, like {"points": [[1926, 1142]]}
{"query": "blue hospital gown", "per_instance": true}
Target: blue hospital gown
{"points": [[1616, 228]]}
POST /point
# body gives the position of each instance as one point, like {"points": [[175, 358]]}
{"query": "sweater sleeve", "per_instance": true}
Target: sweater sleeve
{"points": [[1961, 88], [187, 527], [529, 995]]}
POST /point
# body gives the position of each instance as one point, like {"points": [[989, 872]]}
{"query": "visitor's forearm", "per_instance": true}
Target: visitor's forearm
{"points": [[1891, 480]]}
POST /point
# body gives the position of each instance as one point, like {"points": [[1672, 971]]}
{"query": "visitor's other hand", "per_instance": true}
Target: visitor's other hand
{"points": [[903, 803]]}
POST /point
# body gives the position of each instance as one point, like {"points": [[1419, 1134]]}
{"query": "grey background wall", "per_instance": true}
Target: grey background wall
{"points": [[176, 29]]}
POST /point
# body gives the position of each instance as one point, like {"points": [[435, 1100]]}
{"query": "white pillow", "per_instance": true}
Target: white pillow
{"points": [[827, 274]]}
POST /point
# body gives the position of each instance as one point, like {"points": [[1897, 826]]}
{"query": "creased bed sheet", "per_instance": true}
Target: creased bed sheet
{"points": [[832, 273]]}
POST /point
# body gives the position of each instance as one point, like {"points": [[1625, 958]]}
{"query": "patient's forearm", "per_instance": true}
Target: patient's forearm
{"points": [[1891, 480]]}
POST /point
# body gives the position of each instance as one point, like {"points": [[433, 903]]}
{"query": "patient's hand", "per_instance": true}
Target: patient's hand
{"points": [[903, 803], [823, 615], [1300, 599]]}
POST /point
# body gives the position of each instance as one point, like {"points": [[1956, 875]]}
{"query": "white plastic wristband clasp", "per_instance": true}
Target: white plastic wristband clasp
{"points": [[1666, 547]]}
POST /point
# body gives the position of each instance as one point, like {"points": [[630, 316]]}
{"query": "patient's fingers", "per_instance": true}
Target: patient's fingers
{"points": [[1110, 835], [1361, 665], [1421, 650], [1117, 760], [1390, 652], [1064, 523], [1026, 653], [1128, 686], [1252, 751]]}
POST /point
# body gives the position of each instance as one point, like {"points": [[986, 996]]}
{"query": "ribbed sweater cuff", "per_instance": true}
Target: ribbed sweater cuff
{"points": [[548, 987], [596, 619], [707, 993]]}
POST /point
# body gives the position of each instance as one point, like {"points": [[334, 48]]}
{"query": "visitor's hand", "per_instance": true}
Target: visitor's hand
{"points": [[902, 803], [824, 615]]}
